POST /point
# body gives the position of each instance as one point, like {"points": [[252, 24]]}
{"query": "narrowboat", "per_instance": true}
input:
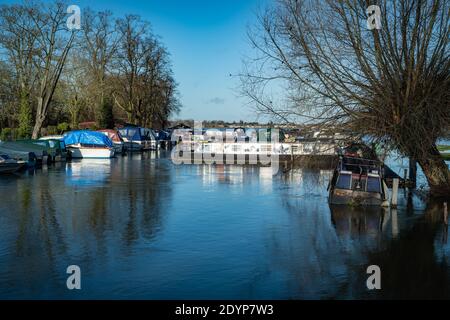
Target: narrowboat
{"points": [[357, 179], [89, 144]]}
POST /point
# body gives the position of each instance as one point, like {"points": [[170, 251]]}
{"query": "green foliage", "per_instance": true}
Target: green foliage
{"points": [[106, 116], [63, 127], [8, 134]]}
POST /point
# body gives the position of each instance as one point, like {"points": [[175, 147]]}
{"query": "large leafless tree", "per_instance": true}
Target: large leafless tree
{"points": [[391, 84], [112, 67]]}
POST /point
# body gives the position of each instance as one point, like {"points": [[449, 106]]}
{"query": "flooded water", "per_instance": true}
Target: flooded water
{"points": [[141, 227]]}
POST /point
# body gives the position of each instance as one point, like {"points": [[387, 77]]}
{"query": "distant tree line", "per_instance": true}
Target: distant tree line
{"points": [[111, 68]]}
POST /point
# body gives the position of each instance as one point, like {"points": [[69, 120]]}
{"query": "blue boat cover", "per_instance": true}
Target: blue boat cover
{"points": [[87, 137], [131, 133]]}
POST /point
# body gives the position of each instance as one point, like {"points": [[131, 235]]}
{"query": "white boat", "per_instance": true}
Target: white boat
{"points": [[89, 144], [80, 151], [8, 165]]}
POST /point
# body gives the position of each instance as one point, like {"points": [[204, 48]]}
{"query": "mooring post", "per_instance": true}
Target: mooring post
{"points": [[413, 172], [385, 202], [394, 223], [445, 213], [394, 192]]}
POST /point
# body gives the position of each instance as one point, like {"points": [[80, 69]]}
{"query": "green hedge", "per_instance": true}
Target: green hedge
{"points": [[8, 134]]}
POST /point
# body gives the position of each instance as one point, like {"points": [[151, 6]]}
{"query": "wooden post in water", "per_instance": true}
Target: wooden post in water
{"points": [[394, 193], [413, 172], [386, 195], [445, 213]]}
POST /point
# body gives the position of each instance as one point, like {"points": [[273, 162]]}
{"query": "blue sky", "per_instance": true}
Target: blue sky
{"points": [[207, 41]]}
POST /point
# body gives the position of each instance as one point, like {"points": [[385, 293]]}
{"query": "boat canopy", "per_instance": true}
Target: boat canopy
{"points": [[112, 134], [136, 134], [87, 137]]}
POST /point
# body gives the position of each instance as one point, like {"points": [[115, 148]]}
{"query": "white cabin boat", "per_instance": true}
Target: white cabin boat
{"points": [[89, 144], [93, 152]]}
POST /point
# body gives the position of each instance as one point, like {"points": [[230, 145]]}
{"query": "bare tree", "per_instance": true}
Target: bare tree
{"points": [[55, 42], [391, 84], [99, 46], [145, 88], [19, 41]]}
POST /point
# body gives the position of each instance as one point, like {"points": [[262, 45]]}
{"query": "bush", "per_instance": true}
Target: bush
{"points": [[52, 130], [63, 127], [8, 134]]}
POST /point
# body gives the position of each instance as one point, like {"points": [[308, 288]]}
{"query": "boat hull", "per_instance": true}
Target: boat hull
{"points": [[91, 153], [11, 167], [354, 197], [118, 148], [140, 145]]}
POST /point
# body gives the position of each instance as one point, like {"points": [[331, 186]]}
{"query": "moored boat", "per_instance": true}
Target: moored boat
{"points": [[137, 138], [116, 139], [9, 165], [89, 144], [357, 179]]}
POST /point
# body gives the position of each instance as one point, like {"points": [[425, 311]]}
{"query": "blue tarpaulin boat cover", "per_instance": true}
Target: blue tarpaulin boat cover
{"points": [[137, 134], [87, 137]]}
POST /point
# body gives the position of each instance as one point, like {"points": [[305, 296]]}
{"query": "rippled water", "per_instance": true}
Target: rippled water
{"points": [[142, 227]]}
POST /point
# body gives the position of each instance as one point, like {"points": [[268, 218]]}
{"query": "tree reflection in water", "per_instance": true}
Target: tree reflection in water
{"points": [[329, 257]]}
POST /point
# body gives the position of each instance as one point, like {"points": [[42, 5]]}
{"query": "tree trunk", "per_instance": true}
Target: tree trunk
{"points": [[37, 128], [437, 173]]}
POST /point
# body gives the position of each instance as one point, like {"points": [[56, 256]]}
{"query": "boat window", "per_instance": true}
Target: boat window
{"points": [[373, 184], [131, 133], [344, 181]]}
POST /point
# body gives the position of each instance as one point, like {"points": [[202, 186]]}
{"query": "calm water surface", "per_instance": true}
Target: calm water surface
{"points": [[142, 227]]}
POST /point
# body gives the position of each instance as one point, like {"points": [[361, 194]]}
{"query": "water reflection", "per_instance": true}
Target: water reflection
{"points": [[141, 227], [88, 172]]}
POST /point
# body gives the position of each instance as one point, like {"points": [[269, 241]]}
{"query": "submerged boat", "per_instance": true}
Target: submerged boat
{"points": [[8, 165], [138, 139], [357, 179], [116, 139], [89, 144]]}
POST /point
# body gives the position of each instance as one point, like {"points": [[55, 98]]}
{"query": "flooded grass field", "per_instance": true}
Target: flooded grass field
{"points": [[140, 227]]}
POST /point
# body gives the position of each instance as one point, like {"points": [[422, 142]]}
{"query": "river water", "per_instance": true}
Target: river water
{"points": [[141, 227]]}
